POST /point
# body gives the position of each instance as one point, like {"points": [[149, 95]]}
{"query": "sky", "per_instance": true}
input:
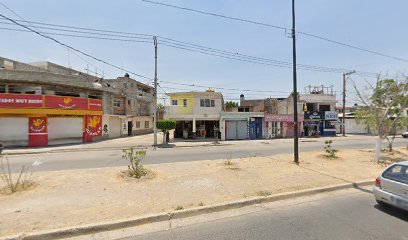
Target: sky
{"points": [[371, 24]]}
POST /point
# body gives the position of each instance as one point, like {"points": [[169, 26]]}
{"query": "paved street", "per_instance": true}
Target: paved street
{"points": [[347, 214], [106, 157]]}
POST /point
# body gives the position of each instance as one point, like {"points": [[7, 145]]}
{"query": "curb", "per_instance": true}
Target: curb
{"points": [[132, 222]]}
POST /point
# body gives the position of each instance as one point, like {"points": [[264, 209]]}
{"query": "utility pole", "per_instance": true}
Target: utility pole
{"points": [[155, 92], [295, 93], [343, 120]]}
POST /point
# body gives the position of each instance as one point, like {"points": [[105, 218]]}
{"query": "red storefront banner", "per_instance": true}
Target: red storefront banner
{"points": [[93, 127], [20, 100], [37, 131], [95, 104], [66, 102], [8, 100]]}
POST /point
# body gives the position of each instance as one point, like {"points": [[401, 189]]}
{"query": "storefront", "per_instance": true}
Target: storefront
{"points": [[41, 120], [330, 121], [313, 124], [241, 125], [281, 125]]}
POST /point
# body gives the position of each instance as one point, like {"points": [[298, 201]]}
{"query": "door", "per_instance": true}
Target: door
{"points": [[231, 130], [115, 127], [130, 126], [242, 130]]}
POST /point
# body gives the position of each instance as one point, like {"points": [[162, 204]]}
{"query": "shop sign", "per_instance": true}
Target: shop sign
{"points": [[95, 104], [313, 116], [330, 115], [20, 100], [93, 125], [66, 102], [37, 125], [281, 118]]}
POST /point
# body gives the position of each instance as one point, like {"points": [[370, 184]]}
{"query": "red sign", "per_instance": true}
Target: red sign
{"points": [[37, 125], [282, 118], [37, 131], [93, 126], [95, 104], [20, 100], [67, 103]]}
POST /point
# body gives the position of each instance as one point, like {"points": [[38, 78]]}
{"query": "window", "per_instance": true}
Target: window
{"points": [[174, 102], [398, 173], [207, 102], [129, 102], [146, 124], [185, 102], [116, 103], [137, 124]]}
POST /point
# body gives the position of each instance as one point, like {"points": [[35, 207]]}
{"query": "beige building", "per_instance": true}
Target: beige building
{"points": [[197, 114]]}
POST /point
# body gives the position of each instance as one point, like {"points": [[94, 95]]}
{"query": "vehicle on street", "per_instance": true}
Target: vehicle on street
{"points": [[391, 187], [405, 134]]}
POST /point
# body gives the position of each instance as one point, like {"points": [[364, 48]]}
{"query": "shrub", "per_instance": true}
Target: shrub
{"points": [[135, 157], [12, 184], [166, 126], [330, 151]]}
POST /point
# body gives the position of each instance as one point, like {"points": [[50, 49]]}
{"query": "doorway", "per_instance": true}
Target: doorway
{"points": [[130, 128]]}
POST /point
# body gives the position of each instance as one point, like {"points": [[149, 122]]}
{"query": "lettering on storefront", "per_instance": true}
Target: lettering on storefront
{"points": [[93, 126], [330, 115], [313, 116], [21, 100], [282, 118]]}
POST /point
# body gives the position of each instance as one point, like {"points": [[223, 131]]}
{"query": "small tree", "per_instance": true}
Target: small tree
{"points": [[330, 151], [165, 126], [383, 110], [231, 104]]}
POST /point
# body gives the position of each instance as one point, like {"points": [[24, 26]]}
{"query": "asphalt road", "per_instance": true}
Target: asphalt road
{"points": [[346, 215], [84, 159]]}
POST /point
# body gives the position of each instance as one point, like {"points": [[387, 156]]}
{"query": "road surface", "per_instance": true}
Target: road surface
{"points": [[347, 214], [91, 158]]}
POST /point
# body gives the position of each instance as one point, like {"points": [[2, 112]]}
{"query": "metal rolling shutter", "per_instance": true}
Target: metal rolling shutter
{"points": [[65, 130], [242, 130], [236, 130], [14, 131]]}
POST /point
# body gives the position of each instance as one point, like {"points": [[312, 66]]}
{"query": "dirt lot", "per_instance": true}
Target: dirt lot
{"points": [[68, 198]]}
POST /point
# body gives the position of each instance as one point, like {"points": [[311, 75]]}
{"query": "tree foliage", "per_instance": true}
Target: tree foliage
{"points": [[166, 125], [385, 110], [231, 104]]}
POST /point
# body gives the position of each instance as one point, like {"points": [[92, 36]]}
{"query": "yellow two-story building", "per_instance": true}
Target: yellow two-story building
{"points": [[197, 114]]}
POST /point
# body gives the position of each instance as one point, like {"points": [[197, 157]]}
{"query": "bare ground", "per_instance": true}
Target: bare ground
{"points": [[69, 198]]}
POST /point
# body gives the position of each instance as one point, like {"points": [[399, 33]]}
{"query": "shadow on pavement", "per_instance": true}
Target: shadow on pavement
{"points": [[355, 186], [393, 211]]}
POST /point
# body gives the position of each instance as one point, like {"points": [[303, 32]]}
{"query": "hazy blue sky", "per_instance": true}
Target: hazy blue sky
{"points": [[373, 24]]}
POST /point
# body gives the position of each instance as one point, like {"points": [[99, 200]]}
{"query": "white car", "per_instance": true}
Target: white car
{"points": [[391, 187]]}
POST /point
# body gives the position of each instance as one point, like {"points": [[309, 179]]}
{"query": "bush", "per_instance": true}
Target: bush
{"points": [[135, 157], [12, 184], [330, 152], [166, 126]]}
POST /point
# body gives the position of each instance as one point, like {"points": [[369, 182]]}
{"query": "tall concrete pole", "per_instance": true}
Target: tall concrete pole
{"points": [[155, 92], [295, 93], [343, 120]]}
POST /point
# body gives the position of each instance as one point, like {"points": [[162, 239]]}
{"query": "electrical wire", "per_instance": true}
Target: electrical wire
{"points": [[276, 27]]}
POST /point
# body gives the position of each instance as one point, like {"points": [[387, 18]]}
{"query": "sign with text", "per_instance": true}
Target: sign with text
{"points": [[313, 116], [330, 115], [37, 125], [93, 126], [9, 100], [281, 118], [66, 102], [95, 104], [20, 100]]}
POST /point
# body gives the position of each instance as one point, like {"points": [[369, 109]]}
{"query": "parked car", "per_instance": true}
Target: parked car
{"points": [[391, 187], [405, 135]]}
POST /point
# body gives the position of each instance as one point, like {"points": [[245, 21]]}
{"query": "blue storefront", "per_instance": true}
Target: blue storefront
{"points": [[320, 123], [255, 128]]}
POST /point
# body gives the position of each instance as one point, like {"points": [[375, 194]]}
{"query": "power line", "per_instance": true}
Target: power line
{"points": [[128, 37], [72, 48], [276, 27], [76, 54]]}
